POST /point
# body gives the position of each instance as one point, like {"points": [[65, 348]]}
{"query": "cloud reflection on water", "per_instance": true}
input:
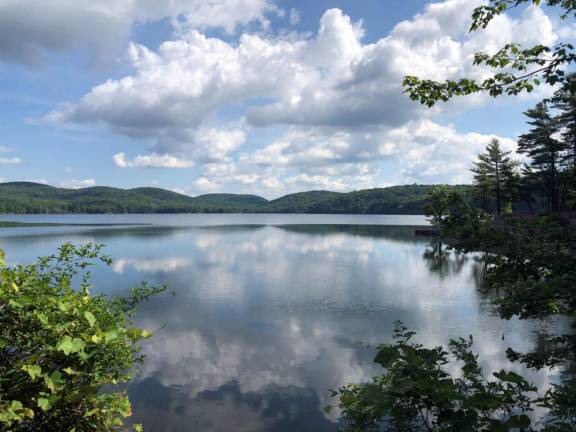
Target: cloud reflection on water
{"points": [[267, 319]]}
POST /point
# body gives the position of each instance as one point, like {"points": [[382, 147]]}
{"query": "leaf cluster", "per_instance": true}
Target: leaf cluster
{"points": [[418, 393], [519, 69], [60, 345]]}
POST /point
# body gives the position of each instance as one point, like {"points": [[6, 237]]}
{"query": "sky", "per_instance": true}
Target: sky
{"points": [[268, 97]]}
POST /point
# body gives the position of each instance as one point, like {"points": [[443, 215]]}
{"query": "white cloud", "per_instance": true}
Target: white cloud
{"points": [[78, 184], [433, 153], [41, 181], [294, 17], [151, 161], [202, 184], [5, 149], [422, 151], [225, 14], [30, 28], [331, 79], [311, 146], [340, 98], [10, 161]]}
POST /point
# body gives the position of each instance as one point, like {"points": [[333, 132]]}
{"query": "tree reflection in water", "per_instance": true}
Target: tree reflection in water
{"points": [[443, 261]]}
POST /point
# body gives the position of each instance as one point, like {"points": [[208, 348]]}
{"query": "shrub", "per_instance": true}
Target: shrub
{"points": [[60, 345]]}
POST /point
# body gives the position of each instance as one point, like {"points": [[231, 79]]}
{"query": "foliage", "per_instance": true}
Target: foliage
{"points": [[418, 393], [529, 267], [519, 69], [529, 262], [442, 201], [25, 197], [544, 150], [495, 173], [59, 345]]}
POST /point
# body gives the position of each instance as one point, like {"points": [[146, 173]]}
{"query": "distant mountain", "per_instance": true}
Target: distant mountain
{"points": [[234, 199], [302, 202], [26, 197]]}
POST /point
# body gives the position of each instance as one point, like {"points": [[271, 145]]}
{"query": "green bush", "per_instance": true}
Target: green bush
{"points": [[60, 345], [418, 393]]}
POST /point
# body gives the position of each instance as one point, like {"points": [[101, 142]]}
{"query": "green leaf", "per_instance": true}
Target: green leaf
{"points": [[512, 377], [136, 334], [386, 356], [63, 306], [33, 370], [15, 304], [90, 318], [16, 405], [54, 382], [44, 404], [68, 345], [110, 336], [42, 318]]}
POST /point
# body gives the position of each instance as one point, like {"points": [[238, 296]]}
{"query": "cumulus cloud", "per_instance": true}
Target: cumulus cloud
{"points": [[433, 153], [203, 184], [78, 184], [339, 99], [332, 78], [30, 28], [151, 161], [304, 158], [319, 147]]}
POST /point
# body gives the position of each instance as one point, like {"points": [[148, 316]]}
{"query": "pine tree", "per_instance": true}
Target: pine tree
{"points": [[482, 186], [496, 173], [544, 150], [565, 102]]}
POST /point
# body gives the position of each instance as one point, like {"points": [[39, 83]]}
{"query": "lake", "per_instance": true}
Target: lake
{"points": [[272, 311]]}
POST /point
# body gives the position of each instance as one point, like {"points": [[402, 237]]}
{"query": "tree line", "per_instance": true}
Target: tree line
{"points": [[548, 179]]}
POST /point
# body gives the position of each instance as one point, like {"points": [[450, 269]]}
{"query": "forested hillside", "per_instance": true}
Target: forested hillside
{"points": [[25, 197]]}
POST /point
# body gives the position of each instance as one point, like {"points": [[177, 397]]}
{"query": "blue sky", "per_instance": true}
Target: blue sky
{"points": [[254, 96]]}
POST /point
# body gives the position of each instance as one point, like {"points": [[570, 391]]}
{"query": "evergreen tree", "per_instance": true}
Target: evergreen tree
{"points": [[496, 173], [527, 187], [565, 102], [512, 184], [482, 186], [544, 150]]}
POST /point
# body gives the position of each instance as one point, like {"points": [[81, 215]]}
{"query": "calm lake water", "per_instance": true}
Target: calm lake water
{"points": [[272, 311]]}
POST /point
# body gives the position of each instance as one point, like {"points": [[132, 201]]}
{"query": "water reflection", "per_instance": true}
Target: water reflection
{"points": [[444, 261], [267, 319]]}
